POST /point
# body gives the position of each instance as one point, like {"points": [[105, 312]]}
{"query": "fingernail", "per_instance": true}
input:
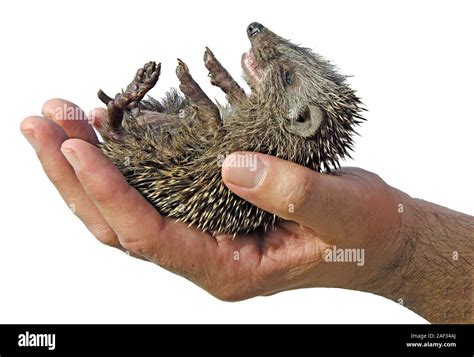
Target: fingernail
{"points": [[245, 170], [71, 157], [30, 136]]}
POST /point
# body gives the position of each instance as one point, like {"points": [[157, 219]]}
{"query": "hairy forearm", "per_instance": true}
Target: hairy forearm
{"points": [[433, 273]]}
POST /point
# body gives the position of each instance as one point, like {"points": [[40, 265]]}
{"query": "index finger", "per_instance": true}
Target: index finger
{"points": [[138, 225], [71, 118]]}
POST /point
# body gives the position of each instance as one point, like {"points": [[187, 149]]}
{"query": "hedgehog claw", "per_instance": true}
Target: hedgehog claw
{"points": [[104, 98], [182, 67]]}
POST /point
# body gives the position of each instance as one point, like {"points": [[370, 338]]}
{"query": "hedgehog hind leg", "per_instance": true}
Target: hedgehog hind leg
{"points": [[207, 111], [145, 79], [221, 78]]}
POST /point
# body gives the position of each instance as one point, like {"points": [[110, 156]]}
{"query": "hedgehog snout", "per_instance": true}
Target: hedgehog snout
{"points": [[254, 29]]}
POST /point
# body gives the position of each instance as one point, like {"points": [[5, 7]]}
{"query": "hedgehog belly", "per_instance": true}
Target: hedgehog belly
{"points": [[184, 182]]}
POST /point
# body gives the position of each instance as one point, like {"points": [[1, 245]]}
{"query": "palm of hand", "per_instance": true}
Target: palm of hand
{"points": [[355, 209]]}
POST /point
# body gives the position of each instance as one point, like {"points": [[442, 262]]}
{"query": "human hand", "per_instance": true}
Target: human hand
{"points": [[352, 210]]}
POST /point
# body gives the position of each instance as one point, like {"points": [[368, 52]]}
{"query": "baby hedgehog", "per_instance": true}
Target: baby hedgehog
{"points": [[299, 109]]}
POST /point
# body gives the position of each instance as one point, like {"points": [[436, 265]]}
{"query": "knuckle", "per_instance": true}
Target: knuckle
{"points": [[102, 194], [56, 177], [138, 247], [235, 289], [101, 197], [301, 196], [105, 235], [163, 260], [326, 199], [227, 294]]}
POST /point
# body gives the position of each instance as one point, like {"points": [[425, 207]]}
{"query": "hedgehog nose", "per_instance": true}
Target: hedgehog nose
{"points": [[254, 29]]}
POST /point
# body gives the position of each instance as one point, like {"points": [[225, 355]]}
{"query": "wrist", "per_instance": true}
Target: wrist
{"points": [[390, 249], [432, 272], [383, 246]]}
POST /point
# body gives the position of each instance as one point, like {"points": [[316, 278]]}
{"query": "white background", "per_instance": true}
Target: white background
{"points": [[413, 67]]}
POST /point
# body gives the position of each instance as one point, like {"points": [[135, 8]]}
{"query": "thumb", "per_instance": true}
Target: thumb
{"points": [[293, 192]]}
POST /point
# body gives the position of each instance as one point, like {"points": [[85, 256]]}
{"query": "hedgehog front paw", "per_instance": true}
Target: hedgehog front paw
{"points": [[145, 79]]}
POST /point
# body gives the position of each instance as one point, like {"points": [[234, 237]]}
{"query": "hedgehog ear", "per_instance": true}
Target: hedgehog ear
{"points": [[307, 122]]}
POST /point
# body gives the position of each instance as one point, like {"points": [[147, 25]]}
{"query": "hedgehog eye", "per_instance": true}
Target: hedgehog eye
{"points": [[287, 78]]}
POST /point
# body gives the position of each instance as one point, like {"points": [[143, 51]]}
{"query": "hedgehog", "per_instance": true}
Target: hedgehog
{"points": [[171, 150]]}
